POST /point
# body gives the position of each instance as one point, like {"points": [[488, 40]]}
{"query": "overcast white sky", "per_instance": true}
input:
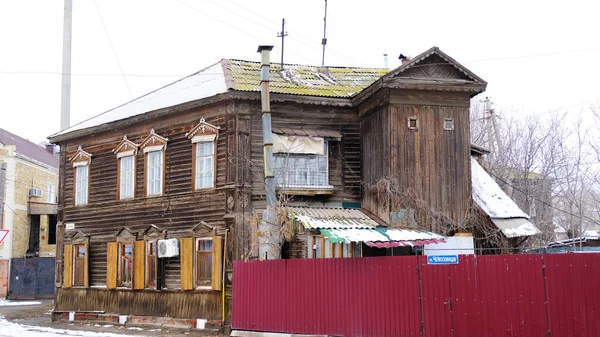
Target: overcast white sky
{"points": [[535, 55]]}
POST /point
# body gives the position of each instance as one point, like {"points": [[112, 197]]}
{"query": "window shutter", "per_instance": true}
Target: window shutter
{"points": [[68, 266], [187, 263], [217, 262], [139, 255], [86, 279], [111, 265]]}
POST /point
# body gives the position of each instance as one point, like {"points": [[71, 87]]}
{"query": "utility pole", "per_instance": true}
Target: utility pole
{"points": [[2, 186], [324, 40], [282, 35], [65, 97], [494, 125]]}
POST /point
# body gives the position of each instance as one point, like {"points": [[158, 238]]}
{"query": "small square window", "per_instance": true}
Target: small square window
{"points": [[413, 123], [449, 124]]}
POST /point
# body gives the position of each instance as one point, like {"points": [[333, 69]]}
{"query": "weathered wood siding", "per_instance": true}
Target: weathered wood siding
{"points": [[432, 161], [179, 304], [177, 211]]}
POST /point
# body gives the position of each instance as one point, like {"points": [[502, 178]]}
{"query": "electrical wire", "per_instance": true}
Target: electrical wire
{"points": [[581, 217], [113, 49]]}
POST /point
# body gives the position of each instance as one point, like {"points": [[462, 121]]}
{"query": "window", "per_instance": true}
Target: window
{"points": [[125, 264], [320, 247], [413, 123], [52, 220], [79, 265], [50, 197], [205, 165], [204, 262], [151, 264], [155, 173], [306, 170], [126, 177], [81, 184], [449, 124]]}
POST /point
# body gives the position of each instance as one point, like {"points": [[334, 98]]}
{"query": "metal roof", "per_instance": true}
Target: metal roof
{"points": [[323, 217], [341, 82], [352, 225], [515, 227], [28, 149]]}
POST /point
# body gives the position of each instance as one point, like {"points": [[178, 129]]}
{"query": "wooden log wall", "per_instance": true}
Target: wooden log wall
{"points": [[177, 211], [180, 304], [431, 160]]}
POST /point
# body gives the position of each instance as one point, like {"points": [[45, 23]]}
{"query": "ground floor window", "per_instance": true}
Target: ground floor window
{"points": [[151, 264], [125, 264], [320, 247], [204, 262]]}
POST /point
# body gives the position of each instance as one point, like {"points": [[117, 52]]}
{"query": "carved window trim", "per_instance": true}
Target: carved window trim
{"points": [[126, 149], [203, 133], [80, 160], [151, 144]]}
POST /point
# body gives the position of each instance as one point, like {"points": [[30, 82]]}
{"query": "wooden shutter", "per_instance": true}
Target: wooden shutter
{"points": [[139, 255], [217, 262], [112, 265], [187, 263], [68, 266], [86, 279]]}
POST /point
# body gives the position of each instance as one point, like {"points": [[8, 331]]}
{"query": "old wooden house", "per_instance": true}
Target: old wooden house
{"points": [[160, 194]]}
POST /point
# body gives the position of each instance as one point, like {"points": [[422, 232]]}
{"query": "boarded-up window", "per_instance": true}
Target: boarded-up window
{"points": [[125, 264], [413, 123], [151, 265], [449, 124]]}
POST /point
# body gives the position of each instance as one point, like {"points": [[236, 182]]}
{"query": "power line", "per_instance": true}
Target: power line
{"points": [[113, 49], [42, 72], [542, 201]]}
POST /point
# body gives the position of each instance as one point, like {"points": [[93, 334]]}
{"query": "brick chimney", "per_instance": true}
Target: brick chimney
{"points": [[404, 59]]}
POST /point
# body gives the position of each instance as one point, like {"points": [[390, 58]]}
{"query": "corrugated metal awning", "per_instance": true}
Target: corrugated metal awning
{"points": [[352, 225], [515, 227]]}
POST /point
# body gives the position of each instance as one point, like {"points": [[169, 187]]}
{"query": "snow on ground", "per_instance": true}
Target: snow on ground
{"points": [[9, 329], [5, 303]]}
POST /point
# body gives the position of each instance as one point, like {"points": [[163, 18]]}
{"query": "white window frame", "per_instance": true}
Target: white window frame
{"points": [[152, 174], [289, 175], [82, 184], [50, 197], [126, 186], [200, 176]]}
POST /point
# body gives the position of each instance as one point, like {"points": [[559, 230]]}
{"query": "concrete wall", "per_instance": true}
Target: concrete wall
{"points": [[3, 278]]}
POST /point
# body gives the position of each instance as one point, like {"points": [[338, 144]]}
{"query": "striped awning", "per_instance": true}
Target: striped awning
{"points": [[352, 225]]}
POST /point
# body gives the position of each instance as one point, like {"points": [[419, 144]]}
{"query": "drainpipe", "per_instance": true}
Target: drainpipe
{"points": [[269, 240]]}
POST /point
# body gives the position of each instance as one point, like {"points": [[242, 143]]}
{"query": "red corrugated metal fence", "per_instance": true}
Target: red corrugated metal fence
{"points": [[502, 295]]}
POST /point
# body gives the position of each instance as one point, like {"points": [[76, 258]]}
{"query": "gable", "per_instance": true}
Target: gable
{"points": [[434, 67]]}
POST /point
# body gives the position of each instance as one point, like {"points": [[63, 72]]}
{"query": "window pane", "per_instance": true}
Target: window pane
{"points": [[81, 183], [155, 172]]}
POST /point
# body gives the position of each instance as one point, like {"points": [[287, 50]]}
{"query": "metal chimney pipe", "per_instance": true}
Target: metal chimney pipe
{"points": [[265, 52], [385, 61]]}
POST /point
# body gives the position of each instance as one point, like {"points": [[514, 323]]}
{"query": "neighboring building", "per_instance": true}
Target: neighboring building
{"points": [[157, 189], [30, 199]]}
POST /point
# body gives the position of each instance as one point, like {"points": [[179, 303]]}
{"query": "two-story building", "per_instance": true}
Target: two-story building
{"points": [[163, 192], [30, 189]]}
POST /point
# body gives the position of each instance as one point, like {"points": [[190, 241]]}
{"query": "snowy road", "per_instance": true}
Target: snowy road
{"points": [[9, 329]]}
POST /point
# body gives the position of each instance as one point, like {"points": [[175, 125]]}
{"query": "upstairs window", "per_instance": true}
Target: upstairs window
{"points": [[300, 162], [126, 153], [154, 147], [155, 173], [81, 165], [203, 137], [51, 196], [205, 165], [81, 185]]}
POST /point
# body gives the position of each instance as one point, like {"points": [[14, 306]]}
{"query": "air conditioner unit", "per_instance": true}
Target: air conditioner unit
{"points": [[35, 192], [168, 248]]}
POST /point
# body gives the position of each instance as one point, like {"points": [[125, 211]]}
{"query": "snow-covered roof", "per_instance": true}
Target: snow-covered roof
{"points": [[490, 197], [502, 210], [204, 83]]}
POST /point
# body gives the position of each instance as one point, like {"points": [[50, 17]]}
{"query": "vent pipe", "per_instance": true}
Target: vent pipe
{"points": [[385, 61]]}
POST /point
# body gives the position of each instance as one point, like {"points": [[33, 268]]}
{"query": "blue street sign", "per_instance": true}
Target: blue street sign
{"points": [[442, 259]]}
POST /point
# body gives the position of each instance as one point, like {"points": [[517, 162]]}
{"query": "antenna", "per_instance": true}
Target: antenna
{"points": [[282, 35], [324, 41]]}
